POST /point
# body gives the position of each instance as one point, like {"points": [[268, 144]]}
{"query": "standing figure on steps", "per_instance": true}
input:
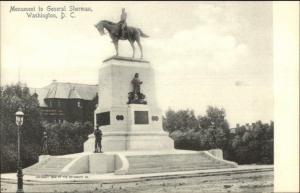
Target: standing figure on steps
{"points": [[98, 139], [45, 144], [123, 23]]}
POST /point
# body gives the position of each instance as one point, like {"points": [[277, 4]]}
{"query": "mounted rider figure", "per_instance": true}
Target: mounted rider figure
{"points": [[120, 31], [122, 22]]}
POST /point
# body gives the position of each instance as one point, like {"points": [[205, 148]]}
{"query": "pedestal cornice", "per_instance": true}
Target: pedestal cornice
{"points": [[121, 58]]}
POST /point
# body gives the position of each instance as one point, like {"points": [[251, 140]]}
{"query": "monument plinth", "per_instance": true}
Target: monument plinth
{"points": [[128, 123], [133, 139]]}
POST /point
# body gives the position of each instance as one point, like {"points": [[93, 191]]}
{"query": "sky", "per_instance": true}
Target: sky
{"points": [[203, 53]]}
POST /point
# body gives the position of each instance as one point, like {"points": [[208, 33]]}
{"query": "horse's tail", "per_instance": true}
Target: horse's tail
{"points": [[142, 33]]}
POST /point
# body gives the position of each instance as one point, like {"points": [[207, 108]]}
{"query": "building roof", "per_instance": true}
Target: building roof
{"points": [[42, 93], [63, 90]]}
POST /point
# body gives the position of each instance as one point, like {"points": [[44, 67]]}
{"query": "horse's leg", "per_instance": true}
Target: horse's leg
{"points": [[116, 47], [133, 48], [137, 39], [141, 48]]}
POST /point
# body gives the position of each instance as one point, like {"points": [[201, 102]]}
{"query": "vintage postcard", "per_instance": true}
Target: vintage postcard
{"points": [[149, 96]]}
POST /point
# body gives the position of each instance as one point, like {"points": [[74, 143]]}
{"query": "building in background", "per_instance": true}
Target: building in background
{"points": [[71, 102]]}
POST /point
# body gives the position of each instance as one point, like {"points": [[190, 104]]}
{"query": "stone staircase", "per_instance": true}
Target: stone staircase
{"points": [[129, 162], [139, 164], [50, 166]]}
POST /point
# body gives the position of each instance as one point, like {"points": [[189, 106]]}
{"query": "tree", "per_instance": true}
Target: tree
{"points": [[201, 133], [216, 133], [249, 144], [183, 120], [254, 145], [67, 138], [11, 98]]}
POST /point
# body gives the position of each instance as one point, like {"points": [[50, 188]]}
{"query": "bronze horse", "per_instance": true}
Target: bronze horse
{"points": [[132, 34]]}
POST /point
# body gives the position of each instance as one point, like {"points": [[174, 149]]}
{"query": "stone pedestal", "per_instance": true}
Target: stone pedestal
{"points": [[128, 126], [133, 139]]}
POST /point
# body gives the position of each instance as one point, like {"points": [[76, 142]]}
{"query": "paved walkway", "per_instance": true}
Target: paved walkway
{"points": [[113, 178], [246, 179]]}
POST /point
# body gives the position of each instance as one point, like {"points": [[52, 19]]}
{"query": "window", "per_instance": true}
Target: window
{"points": [[78, 104]]}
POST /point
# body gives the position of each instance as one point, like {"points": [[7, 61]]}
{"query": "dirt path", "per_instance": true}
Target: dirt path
{"points": [[246, 182]]}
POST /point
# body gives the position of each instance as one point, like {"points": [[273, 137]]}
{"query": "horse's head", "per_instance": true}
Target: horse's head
{"points": [[100, 27]]}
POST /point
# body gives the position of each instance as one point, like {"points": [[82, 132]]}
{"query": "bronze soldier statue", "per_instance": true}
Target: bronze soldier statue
{"points": [[136, 83], [98, 139], [136, 97], [45, 144]]}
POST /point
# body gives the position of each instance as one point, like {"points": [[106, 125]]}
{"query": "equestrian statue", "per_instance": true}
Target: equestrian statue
{"points": [[120, 31]]}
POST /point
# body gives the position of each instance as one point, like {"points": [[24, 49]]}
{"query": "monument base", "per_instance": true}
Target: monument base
{"points": [[131, 141], [130, 162], [139, 129]]}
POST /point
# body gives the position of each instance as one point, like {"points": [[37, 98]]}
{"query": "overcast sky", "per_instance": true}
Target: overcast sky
{"points": [[204, 53]]}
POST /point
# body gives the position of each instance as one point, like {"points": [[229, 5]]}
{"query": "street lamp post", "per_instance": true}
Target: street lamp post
{"points": [[19, 122]]}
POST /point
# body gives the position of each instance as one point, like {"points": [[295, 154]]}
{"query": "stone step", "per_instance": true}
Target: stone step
{"points": [[46, 169], [154, 162], [176, 169], [177, 166], [173, 162], [170, 160], [42, 172], [53, 165]]}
